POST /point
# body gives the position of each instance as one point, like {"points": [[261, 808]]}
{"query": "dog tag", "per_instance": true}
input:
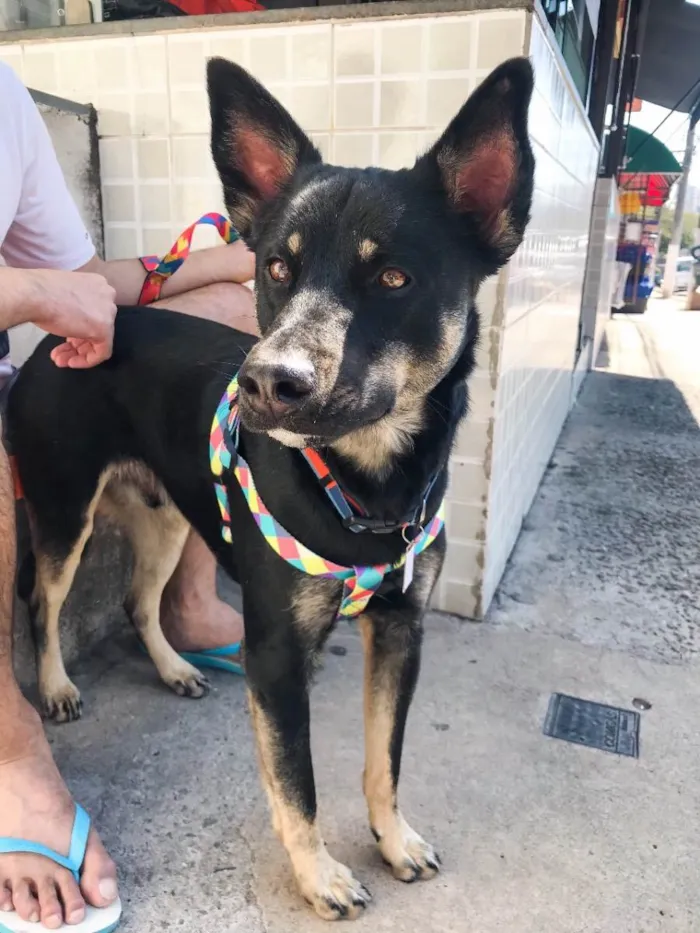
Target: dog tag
{"points": [[408, 567]]}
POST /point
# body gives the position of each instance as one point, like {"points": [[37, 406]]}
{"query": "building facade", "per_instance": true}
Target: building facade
{"points": [[375, 84]]}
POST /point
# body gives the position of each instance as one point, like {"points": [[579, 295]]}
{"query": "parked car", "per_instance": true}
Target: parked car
{"points": [[685, 274]]}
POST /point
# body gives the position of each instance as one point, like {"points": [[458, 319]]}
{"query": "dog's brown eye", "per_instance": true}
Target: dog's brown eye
{"points": [[393, 278], [279, 271]]}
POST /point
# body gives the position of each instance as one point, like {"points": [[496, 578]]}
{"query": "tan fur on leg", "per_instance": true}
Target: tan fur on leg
{"points": [[326, 884], [157, 536], [59, 696], [408, 854], [265, 774]]}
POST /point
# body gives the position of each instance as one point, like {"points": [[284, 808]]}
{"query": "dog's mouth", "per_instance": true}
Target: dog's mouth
{"points": [[288, 400], [309, 430]]}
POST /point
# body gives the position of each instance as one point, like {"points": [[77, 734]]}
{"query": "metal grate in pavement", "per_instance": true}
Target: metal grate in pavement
{"points": [[594, 725]]}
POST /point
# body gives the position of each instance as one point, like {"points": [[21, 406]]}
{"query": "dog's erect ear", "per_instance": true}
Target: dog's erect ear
{"points": [[483, 162], [256, 144]]}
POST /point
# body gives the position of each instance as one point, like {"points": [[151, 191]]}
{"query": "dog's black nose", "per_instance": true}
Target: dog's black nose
{"points": [[276, 389]]}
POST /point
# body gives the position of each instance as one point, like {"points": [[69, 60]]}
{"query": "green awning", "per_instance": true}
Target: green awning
{"points": [[647, 155]]}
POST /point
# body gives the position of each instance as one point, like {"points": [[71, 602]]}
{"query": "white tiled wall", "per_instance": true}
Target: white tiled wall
{"points": [[543, 288], [600, 277], [605, 228], [369, 92]]}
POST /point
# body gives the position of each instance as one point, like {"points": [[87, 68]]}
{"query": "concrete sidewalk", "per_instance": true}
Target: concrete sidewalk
{"points": [[537, 836]]}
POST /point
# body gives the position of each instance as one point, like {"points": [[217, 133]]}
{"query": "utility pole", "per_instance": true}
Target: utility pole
{"points": [[674, 246]]}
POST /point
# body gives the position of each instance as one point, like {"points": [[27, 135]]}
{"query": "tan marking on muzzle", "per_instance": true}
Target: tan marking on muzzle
{"points": [[367, 249], [372, 448], [419, 376]]}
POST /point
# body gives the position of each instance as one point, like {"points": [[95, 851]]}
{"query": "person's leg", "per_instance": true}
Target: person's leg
{"points": [[34, 802], [225, 302], [193, 616]]}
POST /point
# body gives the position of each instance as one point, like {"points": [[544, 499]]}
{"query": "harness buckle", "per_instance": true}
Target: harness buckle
{"points": [[377, 526]]}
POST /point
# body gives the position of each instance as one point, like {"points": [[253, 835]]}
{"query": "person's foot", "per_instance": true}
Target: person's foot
{"points": [[35, 805], [199, 623], [193, 617]]}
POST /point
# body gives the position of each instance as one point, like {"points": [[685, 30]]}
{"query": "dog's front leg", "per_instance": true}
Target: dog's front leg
{"points": [[392, 634], [276, 669]]}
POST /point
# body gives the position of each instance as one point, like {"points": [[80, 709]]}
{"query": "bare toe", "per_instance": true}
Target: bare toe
{"points": [[25, 901], [99, 879], [51, 910], [5, 897], [71, 897]]}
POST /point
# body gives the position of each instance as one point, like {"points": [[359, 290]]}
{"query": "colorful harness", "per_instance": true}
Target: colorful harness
{"points": [[360, 583], [161, 269]]}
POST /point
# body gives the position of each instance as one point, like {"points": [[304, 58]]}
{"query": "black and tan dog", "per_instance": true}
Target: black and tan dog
{"points": [[366, 283]]}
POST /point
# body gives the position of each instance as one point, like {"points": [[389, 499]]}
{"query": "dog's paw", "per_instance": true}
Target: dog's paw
{"points": [[333, 891], [411, 858], [62, 704], [187, 681]]}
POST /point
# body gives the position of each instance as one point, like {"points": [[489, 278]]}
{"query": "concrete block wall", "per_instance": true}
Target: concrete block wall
{"points": [[539, 304], [374, 91], [600, 269]]}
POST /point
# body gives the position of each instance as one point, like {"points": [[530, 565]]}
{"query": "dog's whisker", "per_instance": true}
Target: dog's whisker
{"points": [[435, 407], [222, 372]]}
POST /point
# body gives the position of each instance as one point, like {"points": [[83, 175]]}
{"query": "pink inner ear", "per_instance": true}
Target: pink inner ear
{"points": [[265, 165], [484, 180]]}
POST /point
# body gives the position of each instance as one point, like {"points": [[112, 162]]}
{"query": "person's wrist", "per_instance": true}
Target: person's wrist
{"points": [[37, 296], [21, 296]]}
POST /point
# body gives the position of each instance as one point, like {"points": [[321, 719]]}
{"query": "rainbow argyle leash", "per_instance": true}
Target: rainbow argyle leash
{"points": [[161, 269], [360, 583]]}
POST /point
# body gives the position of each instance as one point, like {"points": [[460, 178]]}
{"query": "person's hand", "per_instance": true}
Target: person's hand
{"points": [[79, 306], [244, 268]]}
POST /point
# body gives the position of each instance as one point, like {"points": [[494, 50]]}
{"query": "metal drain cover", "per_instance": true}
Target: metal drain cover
{"points": [[593, 724]]}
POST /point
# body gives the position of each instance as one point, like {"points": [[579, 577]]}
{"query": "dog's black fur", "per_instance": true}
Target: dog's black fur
{"points": [[366, 282]]}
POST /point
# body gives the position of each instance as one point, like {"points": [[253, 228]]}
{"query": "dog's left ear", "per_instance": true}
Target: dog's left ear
{"points": [[484, 163], [257, 146]]}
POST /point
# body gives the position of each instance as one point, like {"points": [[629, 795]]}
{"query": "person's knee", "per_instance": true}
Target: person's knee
{"points": [[229, 298], [225, 291], [7, 494], [226, 302]]}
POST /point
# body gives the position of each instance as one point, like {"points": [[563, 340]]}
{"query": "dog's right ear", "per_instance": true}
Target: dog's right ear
{"points": [[256, 144]]}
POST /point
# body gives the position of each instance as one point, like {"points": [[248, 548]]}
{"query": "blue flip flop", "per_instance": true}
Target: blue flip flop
{"points": [[97, 920], [216, 658], [213, 658]]}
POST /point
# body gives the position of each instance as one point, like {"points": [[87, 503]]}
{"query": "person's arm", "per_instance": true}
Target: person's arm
{"points": [[46, 236], [19, 297], [234, 263], [78, 307]]}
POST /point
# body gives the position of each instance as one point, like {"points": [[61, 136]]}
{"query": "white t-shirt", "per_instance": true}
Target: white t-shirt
{"points": [[40, 227]]}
